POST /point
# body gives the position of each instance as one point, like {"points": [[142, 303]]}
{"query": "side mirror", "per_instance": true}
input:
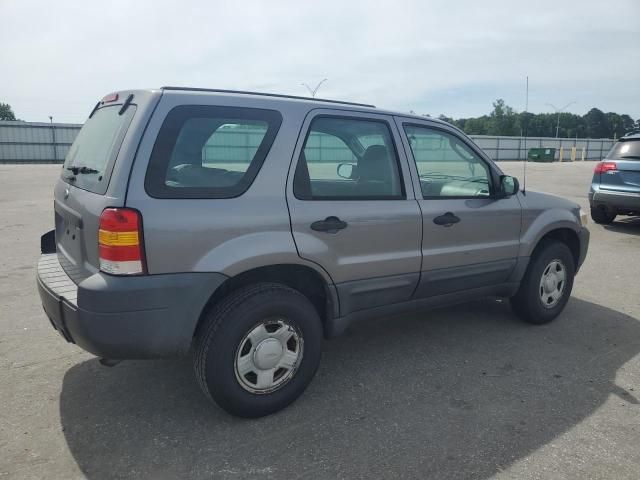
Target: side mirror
{"points": [[508, 186], [347, 170]]}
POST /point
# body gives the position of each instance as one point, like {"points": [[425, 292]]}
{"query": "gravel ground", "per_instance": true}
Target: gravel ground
{"points": [[460, 392]]}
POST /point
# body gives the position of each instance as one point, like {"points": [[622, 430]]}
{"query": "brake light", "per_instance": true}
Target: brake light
{"points": [[112, 97], [120, 242], [604, 167]]}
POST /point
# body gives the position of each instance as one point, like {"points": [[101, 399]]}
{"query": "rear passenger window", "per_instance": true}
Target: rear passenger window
{"points": [[348, 159], [210, 152]]}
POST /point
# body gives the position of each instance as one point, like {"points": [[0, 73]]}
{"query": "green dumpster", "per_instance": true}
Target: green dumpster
{"points": [[542, 154]]}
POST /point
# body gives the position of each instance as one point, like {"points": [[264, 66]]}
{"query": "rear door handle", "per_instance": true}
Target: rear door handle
{"points": [[329, 225], [446, 220]]}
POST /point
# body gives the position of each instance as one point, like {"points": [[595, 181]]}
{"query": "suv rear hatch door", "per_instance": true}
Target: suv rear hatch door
{"points": [[626, 178], [81, 192]]}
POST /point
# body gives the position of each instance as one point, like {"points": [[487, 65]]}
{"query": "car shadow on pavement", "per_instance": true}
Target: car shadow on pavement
{"points": [[452, 393], [629, 225]]}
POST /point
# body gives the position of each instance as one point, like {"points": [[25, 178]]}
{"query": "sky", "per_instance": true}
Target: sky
{"points": [[432, 57]]}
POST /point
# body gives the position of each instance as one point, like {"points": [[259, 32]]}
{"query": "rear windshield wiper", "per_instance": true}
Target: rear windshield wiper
{"points": [[635, 157], [79, 170]]}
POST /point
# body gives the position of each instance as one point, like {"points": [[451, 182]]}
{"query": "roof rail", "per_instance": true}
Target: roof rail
{"points": [[241, 92]]}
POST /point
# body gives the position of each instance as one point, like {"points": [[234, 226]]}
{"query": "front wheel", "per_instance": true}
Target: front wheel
{"points": [[258, 349], [547, 284]]}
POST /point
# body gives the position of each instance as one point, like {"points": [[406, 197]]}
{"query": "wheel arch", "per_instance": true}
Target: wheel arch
{"points": [[565, 235], [560, 224], [301, 277]]}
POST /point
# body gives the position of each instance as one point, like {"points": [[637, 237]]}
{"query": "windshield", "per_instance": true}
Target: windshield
{"points": [[90, 159], [627, 150]]}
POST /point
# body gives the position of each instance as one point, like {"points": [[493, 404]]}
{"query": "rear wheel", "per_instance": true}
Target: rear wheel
{"points": [[546, 286], [602, 216], [258, 349]]}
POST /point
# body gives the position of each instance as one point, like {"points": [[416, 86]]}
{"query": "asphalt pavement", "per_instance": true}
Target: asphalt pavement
{"points": [[459, 392]]}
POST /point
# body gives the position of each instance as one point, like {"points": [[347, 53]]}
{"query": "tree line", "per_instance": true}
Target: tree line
{"points": [[5, 112], [504, 120]]}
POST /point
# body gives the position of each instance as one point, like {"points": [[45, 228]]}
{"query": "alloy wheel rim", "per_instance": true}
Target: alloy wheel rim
{"points": [[268, 356]]}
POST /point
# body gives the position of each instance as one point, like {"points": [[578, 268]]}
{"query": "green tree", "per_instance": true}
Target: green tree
{"points": [[525, 121], [596, 124], [478, 126], [628, 125], [5, 112], [614, 125], [502, 119]]}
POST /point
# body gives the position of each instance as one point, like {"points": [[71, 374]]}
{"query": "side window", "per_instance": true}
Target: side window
{"points": [[209, 152], [348, 159], [233, 145], [446, 166]]}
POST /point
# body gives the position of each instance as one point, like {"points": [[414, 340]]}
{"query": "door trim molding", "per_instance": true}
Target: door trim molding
{"points": [[466, 277], [336, 326], [374, 292]]}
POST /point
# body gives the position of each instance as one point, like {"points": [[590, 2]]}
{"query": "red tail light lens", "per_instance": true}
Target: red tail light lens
{"points": [[112, 97], [604, 167], [120, 243]]}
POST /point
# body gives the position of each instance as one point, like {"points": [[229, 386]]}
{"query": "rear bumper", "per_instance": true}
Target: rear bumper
{"points": [[148, 316], [613, 200]]}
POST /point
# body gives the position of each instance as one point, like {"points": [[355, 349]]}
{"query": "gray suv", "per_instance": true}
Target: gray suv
{"points": [[242, 228]]}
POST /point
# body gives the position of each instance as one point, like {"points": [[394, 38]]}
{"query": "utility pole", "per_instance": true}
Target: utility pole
{"points": [[313, 91], [53, 139], [559, 111]]}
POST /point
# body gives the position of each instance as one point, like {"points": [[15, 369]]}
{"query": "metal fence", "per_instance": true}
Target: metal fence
{"points": [[516, 148], [32, 142]]}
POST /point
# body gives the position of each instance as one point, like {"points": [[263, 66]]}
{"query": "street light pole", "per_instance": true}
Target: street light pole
{"points": [[559, 111], [313, 91], [53, 139]]}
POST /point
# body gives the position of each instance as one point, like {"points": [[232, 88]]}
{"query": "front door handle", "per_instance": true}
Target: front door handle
{"points": [[329, 225], [446, 220]]}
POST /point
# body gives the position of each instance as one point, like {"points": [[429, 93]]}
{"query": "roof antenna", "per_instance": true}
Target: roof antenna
{"points": [[526, 127]]}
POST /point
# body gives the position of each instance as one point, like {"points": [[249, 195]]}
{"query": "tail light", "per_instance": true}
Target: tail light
{"points": [[120, 244], [604, 167], [112, 97]]}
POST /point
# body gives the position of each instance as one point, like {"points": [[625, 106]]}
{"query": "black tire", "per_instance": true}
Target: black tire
{"points": [[527, 302], [602, 216], [227, 323]]}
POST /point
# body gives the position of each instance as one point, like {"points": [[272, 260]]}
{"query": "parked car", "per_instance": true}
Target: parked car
{"points": [[243, 228], [615, 188]]}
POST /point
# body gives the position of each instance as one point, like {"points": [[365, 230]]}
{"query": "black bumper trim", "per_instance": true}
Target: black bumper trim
{"points": [[584, 236], [150, 316], [614, 200]]}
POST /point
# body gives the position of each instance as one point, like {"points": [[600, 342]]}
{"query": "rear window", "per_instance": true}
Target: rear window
{"points": [[210, 152], [627, 150], [90, 160]]}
